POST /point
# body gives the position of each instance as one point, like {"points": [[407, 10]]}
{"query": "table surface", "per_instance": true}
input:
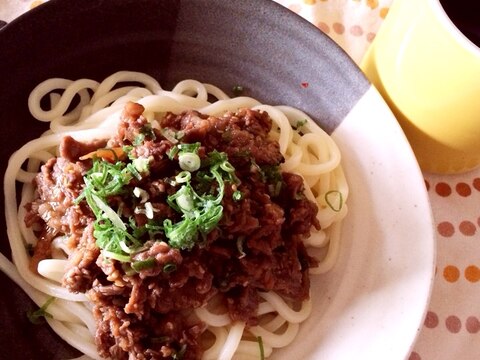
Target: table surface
{"points": [[451, 329]]}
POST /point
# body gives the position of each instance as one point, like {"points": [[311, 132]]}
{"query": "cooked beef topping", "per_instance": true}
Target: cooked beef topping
{"points": [[142, 275]]}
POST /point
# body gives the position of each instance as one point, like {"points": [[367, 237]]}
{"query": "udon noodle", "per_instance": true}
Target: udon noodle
{"points": [[307, 149]]}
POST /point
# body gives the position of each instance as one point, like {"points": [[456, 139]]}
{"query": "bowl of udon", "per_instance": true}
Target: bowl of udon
{"points": [[202, 180]]}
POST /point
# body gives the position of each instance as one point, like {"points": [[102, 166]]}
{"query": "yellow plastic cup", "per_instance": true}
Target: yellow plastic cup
{"points": [[429, 74]]}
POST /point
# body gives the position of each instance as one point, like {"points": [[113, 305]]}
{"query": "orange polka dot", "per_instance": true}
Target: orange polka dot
{"points": [[324, 27], [372, 4], [309, 2], [451, 273], [446, 229], [467, 228], [356, 30], [384, 12], [443, 189], [338, 28], [476, 183], [463, 189], [36, 3], [370, 38], [472, 273]]}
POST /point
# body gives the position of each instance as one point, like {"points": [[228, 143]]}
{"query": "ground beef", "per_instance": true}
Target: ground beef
{"points": [[82, 269], [257, 245], [72, 150]]}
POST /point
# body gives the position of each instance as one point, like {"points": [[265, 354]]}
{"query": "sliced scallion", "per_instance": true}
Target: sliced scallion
{"points": [[170, 267], [112, 255], [189, 161], [143, 264], [35, 316], [260, 345], [334, 200], [109, 213], [183, 177]]}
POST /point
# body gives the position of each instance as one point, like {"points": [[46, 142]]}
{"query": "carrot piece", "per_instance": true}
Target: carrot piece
{"points": [[108, 154]]}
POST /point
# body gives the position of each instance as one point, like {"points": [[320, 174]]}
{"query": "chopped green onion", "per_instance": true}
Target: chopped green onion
{"points": [[128, 269], [189, 161], [183, 148], [226, 166], [138, 139], [140, 193], [260, 345], [143, 264], [179, 134], [189, 148], [237, 195], [109, 213], [182, 200], [180, 353], [170, 267], [274, 189], [147, 210], [115, 256], [300, 123], [334, 200], [125, 248], [181, 235], [147, 130], [169, 135], [237, 90], [201, 212], [152, 229], [141, 164], [185, 202], [35, 316], [133, 170], [183, 177]]}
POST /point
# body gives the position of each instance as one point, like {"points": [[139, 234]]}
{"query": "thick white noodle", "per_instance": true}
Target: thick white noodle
{"points": [[273, 339], [283, 309], [213, 352], [275, 324], [211, 319], [52, 269], [308, 151], [71, 88], [233, 339]]}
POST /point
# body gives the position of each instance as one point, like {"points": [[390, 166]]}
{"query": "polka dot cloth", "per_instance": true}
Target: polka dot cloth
{"points": [[452, 324], [350, 23], [451, 328]]}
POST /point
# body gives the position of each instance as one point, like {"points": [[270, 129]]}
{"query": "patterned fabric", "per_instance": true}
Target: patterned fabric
{"points": [[452, 325], [350, 23]]}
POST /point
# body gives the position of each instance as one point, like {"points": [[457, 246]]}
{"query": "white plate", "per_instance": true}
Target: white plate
{"points": [[372, 304]]}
